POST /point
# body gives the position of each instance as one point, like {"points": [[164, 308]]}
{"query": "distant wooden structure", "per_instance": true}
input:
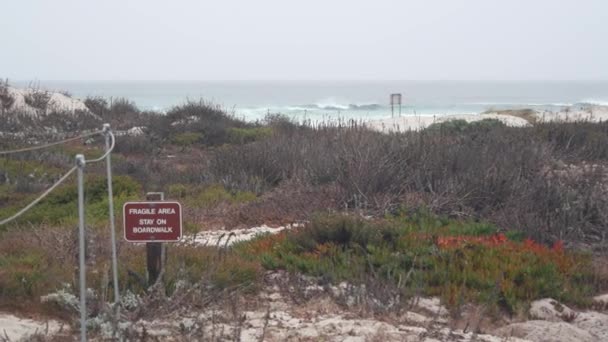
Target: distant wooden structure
{"points": [[395, 101]]}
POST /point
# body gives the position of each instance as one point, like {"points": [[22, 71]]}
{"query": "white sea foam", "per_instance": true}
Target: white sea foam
{"points": [[331, 103], [596, 102], [355, 100], [521, 105]]}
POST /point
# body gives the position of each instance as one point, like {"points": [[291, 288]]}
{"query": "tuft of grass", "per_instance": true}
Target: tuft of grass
{"points": [[33, 267], [208, 196], [37, 98], [13, 171], [460, 126], [187, 139], [6, 99], [246, 135], [209, 121], [526, 113]]}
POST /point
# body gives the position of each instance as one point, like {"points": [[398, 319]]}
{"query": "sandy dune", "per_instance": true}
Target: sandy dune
{"points": [[582, 112], [14, 328], [57, 102]]}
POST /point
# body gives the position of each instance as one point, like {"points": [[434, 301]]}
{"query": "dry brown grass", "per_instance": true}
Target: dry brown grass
{"points": [[286, 204], [529, 115]]}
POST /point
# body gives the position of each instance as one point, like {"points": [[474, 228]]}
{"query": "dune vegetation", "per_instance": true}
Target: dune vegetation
{"points": [[468, 212]]}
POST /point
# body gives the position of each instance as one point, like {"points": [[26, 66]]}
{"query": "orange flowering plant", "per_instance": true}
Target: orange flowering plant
{"points": [[457, 260]]}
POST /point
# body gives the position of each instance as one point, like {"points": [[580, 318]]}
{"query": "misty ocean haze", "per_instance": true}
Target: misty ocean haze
{"points": [[342, 99], [305, 46]]}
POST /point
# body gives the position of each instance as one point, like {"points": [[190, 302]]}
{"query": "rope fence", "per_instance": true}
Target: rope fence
{"points": [[110, 141], [39, 147], [64, 177], [40, 198]]}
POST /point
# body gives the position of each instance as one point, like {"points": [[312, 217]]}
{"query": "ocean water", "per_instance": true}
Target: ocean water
{"points": [[328, 100]]}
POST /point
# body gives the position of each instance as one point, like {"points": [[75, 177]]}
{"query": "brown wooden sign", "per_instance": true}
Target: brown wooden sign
{"points": [[152, 221]]}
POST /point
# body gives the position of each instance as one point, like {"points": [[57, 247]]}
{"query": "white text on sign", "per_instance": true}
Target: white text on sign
{"points": [[151, 211]]}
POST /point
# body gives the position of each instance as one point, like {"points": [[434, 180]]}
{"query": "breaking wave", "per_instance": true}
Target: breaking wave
{"points": [[595, 102], [337, 106]]}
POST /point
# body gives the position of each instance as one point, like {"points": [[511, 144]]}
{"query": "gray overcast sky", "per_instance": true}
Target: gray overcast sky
{"points": [[308, 39]]}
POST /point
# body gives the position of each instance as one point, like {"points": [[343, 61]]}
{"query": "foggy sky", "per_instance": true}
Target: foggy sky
{"points": [[304, 40]]}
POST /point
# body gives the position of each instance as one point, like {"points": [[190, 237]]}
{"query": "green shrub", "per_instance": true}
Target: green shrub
{"points": [[22, 274], [211, 196], [527, 114], [460, 126], [208, 196], [243, 197], [246, 135], [60, 206], [233, 271], [177, 190], [458, 261], [187, 139], [575, 141], [209, 120], [13, 171]]}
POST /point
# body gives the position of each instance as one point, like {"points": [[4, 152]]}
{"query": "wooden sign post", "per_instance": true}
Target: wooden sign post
{"points": [[154, 250]]}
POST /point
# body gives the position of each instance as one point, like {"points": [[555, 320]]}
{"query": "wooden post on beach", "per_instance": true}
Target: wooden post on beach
{"points": [[395, 100], [155, 251]]}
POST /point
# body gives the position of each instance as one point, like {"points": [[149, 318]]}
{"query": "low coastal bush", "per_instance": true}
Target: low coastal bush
{"points": [[527, 179], [26, 274], [135, 145], [6, 99], [458, 261], [459, 126], [576, 142], [526, 114], [208, 196], [247, 135], [187, 139], [37, 261], [120, 113], [544, 182], [26, 173], [60, 207], [508, 176], [37, 98], [208, 122], [97, 105], [62, 121]]}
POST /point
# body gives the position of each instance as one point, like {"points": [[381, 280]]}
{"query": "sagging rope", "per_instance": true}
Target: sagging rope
{"points": [[63, 178], [39, 147], [40, 198]]}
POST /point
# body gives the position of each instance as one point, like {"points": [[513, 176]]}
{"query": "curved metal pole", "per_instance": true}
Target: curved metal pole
{"points": [[80, 162], [107, 132]]}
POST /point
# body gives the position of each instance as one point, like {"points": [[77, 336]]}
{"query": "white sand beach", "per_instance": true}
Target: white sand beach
{"points": [[588, 113], [418, 122]]}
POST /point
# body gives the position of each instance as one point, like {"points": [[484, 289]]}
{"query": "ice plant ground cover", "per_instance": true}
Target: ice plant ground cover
{"points": [[394, 258], [423, 255]]}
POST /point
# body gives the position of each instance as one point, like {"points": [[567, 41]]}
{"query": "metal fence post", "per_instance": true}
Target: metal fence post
{"points": [[80, 163], [107, 131]]}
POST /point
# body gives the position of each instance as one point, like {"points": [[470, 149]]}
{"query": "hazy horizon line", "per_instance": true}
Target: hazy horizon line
{"points": [[305, 80]]}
